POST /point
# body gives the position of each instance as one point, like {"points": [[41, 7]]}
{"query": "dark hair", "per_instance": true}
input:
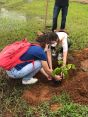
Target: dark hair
{"points": [[52, 36], [46, 38], [42, 40]]}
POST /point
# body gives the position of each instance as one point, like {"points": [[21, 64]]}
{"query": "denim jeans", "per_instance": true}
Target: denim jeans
{"points": [[56, 11], [27, 72]]}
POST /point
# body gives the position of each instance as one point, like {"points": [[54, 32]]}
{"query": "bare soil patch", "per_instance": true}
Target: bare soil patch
{"points": [[76, 85], [55, 106]]}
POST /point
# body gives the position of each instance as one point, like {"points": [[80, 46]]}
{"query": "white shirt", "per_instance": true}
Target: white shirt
{"points": [[63, 37]]}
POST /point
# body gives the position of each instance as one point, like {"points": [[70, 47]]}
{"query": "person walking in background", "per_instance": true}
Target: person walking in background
{"points": [[63, 6]]}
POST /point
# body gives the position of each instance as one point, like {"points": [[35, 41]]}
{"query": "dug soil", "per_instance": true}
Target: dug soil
{"points": [[76, 85]]}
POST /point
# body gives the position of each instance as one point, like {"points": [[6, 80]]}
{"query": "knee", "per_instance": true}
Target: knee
{"points": [[37, 63]]}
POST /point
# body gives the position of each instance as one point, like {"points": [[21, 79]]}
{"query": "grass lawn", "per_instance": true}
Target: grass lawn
{"points": [[23, 18]]}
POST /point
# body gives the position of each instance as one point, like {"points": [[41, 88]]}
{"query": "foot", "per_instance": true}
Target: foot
{"points": [[31, 81]]}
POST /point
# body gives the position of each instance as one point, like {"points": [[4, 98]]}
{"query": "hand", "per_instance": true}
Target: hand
{"points": [[49, 78], [58, 78]]}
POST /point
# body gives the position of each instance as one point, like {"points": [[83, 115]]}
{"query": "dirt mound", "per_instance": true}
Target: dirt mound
{"points": [[34, 96], [76, 84]]}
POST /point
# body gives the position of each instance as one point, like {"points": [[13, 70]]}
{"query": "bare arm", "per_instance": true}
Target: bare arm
{"points": [[64, 58], [65, 49], [49, 57], [49, 71], [46, 68]]}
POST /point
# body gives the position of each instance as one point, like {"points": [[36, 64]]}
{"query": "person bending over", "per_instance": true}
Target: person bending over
{"points": [[27, 70]]}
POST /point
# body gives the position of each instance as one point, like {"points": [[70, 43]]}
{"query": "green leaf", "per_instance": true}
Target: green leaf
{"points": [[69, 66], [73, 66], [56, 71], [60, 62], [65, 72]]}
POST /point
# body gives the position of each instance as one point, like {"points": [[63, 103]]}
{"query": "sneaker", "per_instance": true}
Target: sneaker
{"points": [[31, 81]]}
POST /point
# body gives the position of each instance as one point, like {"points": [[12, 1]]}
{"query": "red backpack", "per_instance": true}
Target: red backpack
{"points": [[10, 55]]}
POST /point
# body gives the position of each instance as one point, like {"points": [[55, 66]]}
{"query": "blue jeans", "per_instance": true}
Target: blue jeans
{"points": [[27, 72], [56, 11]]}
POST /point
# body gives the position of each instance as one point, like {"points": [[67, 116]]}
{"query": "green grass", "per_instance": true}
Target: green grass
{"points": [[13, 27], [77, 24], [12, 103]]}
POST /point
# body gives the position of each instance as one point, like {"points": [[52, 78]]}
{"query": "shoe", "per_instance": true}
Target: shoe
{"points": [[31, 81]]}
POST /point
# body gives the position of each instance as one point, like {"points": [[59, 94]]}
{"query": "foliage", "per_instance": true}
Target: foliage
{"points": [[12, 28], [12, 102], [63, 69]]}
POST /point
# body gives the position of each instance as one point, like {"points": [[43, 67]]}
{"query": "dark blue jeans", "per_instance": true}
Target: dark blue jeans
{"points": [[56, 11]]}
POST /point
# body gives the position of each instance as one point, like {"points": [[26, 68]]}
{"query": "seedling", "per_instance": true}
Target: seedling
{"points": [[63, 69]]}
